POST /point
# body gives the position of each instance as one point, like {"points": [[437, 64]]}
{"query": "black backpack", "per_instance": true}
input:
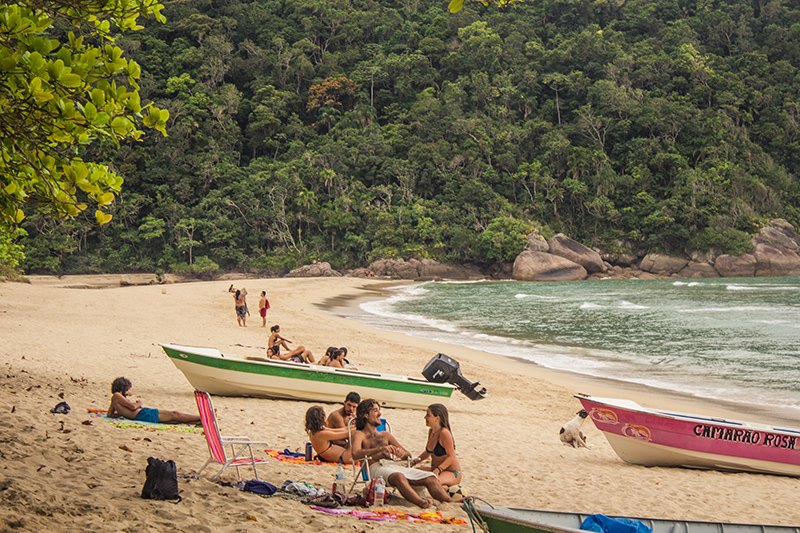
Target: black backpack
{"points": [[162, 480]]}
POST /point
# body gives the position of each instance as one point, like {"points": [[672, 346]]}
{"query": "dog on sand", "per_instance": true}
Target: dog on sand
{"points": [[571, 434]]}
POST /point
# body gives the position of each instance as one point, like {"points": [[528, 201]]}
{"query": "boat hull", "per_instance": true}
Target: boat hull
{"points": [[651, 437], [209, 370], [510, 520]]}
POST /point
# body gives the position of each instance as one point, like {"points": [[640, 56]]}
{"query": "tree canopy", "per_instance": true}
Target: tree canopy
{"points": [[352, 130], [64, 84]]}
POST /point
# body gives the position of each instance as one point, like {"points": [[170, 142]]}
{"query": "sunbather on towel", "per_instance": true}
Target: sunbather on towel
{"points": [[382, 448], [324, 439], [121, 406]]}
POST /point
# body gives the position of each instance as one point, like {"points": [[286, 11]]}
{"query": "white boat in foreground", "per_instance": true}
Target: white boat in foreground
{"points": [[225, 375]]}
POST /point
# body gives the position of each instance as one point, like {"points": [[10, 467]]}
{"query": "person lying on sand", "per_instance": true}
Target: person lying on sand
{"points": [[121, 406], [298, 355], [382, 447], [324, 439]]}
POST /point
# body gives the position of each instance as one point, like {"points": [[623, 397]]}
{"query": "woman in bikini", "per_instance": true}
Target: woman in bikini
{"points": [[322, 437], [440, 447]]}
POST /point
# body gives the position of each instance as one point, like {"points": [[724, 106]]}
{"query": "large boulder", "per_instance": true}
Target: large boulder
{"points": [[536, 243], [433, 269], [698, 270], [729, 266], [563, 246], [663, 265], [775, 260], [314, 270], [539, 266], [396, 268], [620, 259]]}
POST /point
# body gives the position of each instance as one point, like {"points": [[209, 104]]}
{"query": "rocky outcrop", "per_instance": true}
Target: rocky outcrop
{"points": [[433, 269], [424, 269], [539, 266], [662, 265], [743, 266], [315, 270], [536, 243], [775, 260], [563, 246], [698, 270], [396, 268]]}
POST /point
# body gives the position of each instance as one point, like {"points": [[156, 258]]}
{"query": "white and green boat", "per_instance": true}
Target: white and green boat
{"points": [[227, 375]]}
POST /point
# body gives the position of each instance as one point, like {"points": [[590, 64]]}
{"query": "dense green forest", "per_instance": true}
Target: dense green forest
{"points": [[352, 130]]}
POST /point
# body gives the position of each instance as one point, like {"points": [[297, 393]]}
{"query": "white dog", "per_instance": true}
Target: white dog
{"points": [[571, 434]]}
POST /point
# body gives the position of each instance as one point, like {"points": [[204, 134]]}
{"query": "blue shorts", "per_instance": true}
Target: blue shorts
{"points": [[147, 415]]}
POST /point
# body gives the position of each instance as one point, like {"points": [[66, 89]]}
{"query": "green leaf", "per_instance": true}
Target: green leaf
{"points": [[455, 6], [71, 80]]}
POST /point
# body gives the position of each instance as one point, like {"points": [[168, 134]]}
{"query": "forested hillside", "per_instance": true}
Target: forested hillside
{"points": [[348, 131]]}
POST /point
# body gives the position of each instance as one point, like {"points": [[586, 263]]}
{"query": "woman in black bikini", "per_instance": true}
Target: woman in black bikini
{"points": [[321, 437], [440, 447]]}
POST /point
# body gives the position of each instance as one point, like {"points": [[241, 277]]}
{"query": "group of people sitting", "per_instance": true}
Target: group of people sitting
{"points": [[334, 357], [330, 440]]}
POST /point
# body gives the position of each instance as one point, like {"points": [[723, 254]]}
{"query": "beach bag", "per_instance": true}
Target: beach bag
{"points": [[162, 480], [369, 493], [259, 487]]}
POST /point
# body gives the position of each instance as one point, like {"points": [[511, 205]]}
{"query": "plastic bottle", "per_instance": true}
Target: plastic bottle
{"points": [[380, 491], [339, 480]]}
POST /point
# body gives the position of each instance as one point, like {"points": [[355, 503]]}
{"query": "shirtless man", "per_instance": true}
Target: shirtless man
{"points": [[263, 305], [382, 447], [341, 417], [121, 406], [241, 306], [276, 339]]}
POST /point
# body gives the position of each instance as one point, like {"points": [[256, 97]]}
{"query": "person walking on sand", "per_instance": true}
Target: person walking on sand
{"points": [[382, 447], [241, 306], [440, 447], [263, 305], [121, 406]]}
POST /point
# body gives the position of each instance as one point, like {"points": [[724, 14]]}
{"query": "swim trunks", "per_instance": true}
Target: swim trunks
{"points": [[296, 359], [147, 414], [240, 311], [263, 312]]}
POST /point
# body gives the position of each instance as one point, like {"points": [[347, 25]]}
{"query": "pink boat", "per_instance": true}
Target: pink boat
{"points": [[651, 437]]}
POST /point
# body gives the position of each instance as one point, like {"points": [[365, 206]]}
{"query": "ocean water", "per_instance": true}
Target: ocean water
{"points": [[734, 340]]}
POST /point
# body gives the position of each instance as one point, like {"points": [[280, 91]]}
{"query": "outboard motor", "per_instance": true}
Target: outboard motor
{"points": [[443, 369]]}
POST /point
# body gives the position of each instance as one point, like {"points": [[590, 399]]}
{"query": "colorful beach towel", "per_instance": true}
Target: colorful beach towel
{"points": [[387, 515], [125, 423], [288, 456]]}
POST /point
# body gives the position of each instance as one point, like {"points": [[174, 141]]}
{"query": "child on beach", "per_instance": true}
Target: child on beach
{"points": [[121, 406]]}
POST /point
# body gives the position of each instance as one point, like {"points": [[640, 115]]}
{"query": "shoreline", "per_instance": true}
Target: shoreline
{"points": [[348, 306]]}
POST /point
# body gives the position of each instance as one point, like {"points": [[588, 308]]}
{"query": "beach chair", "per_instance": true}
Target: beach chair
{"points": [[361, 466], [241, 448]]}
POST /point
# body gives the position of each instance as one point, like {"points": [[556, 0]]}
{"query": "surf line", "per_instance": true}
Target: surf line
{"points": [[745, 436]]}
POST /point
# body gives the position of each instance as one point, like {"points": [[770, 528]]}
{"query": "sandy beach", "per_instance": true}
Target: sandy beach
{"points": [[68, 339]]}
